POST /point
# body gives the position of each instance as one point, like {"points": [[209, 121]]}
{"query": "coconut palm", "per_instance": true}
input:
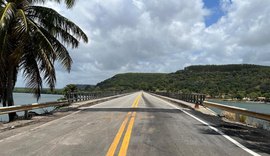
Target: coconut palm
{"points": [[32, 39]]}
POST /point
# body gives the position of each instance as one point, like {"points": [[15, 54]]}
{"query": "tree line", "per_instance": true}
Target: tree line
{"points": [[220, 81]]}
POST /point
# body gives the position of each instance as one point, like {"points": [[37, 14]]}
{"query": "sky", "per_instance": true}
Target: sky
{"points": [[163, 36]]}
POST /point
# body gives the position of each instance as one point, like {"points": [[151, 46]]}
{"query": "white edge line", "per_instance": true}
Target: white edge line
{"points": [[215, 129]]}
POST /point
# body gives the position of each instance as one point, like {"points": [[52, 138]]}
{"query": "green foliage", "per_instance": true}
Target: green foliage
{"points": [[134, 81], [70, 88], [243, 118], [32, 39], [230, 81]]}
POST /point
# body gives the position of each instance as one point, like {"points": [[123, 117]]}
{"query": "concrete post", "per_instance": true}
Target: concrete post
{"points": [[26, 114]]}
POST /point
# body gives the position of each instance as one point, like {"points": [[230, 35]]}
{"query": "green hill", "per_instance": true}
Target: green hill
{"points": [[134, 81], [243, 80]]}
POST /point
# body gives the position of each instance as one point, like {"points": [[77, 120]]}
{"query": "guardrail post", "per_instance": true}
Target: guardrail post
{"points": [[72, 97], [81, 97], [197, 101], [68, 98], [200, 99], [26, 114]]}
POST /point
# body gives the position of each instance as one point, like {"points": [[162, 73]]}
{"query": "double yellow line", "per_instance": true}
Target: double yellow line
{"points": [[126, 139]]}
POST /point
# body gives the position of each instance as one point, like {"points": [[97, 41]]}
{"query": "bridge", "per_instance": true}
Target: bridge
{"points": [[137, 124]]}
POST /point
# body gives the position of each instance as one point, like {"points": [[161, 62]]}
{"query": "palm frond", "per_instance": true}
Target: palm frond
{"points": [[6, 15], [22, 17], [69, 3], [52, 19], [42, 39], [60, 34], [60, 50], [32, 74]]}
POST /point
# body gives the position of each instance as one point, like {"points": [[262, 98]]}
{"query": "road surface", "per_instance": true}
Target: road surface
{"points": [[135, 125]]}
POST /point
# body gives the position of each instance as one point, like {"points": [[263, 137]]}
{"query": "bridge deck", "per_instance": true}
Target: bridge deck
{"points": [[131, 125]]}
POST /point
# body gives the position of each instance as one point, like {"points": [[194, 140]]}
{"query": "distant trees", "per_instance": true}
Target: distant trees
{"points": [[224, 81], [70, 88], [223, 68]]}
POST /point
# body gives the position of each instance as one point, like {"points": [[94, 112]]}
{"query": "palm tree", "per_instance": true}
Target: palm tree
{"points": [[32, 39]]}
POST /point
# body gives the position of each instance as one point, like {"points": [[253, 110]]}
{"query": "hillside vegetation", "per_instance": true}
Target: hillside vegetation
{"points": [[134, 81], [229, 81]]}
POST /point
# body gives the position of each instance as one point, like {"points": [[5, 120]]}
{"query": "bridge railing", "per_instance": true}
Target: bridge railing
{"points": [[200, 99], [192, 98], [238, 111], [70, 98], [84, 96]]}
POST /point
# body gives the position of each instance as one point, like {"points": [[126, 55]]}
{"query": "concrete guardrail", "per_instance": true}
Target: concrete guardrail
{"points": [[190, 99], [76, 97], [238, 111]]}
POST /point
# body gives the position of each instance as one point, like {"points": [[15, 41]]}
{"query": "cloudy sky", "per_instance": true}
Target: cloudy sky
{"points": [[164, 36]]}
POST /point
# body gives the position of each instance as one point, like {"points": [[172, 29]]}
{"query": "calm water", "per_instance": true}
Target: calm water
{"points": [[255, 107], [24, 98]]}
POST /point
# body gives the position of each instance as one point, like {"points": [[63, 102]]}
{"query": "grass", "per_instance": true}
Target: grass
{"points": [[232, 117], [228, 115]]}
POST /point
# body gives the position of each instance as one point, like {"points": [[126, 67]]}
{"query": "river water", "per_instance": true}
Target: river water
{"points": [[25, 98], [255, 107]]}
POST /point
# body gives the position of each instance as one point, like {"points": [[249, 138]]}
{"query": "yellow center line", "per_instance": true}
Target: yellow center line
{"points": [[125, 143], [135, 102], [126, 140], [118, 136]]}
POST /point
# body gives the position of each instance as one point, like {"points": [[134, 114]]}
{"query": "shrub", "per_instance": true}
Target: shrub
{"points": [[243, 118], [229, 115]]}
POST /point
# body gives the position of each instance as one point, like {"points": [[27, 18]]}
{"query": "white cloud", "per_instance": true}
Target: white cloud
{"points": [[225, 5], [241, 36], [163, 36]]}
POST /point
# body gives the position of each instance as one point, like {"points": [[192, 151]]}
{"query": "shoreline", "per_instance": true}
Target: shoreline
{"points": [[41, 93], [241, 101]]}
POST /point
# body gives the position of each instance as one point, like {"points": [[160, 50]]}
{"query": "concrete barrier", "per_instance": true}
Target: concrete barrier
{"points": [[238, 110], [26, 108]]}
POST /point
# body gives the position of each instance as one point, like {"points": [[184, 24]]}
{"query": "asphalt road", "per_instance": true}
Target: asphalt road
{"points": [[134, 125]]}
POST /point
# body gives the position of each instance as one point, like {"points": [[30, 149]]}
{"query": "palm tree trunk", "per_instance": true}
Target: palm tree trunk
{"points": [[9, 92]]}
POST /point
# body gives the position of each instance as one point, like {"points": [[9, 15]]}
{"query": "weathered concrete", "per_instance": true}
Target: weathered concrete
{"points": [[159, 129]]}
